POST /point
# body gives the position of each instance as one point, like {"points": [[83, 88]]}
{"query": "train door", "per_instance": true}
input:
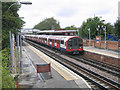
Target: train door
{"points": [[58, 44], [48, 42], [70, 43], [53, 42], [38, 39], [43, 41], [35, 38]]}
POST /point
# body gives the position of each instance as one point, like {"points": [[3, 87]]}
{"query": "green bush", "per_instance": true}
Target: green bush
{"points": [[7, 79]]}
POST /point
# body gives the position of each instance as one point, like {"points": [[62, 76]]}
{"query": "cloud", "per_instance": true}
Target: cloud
{"points": [[103, 12], [68, 12]]}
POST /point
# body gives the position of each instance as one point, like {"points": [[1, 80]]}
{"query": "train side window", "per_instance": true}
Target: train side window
{"points": [[50, 40], [70, 40], [71, 34], [58, 41], [62, 42]]}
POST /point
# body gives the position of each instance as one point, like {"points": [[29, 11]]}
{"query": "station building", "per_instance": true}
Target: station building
{"points": [[58, 32]]}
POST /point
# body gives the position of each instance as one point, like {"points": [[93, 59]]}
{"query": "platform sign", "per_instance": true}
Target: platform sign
{"points": [[98, 39], [43, 68]]}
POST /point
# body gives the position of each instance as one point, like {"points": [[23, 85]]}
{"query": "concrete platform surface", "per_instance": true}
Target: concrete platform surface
{"points": [[62, 77], [102, 52]]}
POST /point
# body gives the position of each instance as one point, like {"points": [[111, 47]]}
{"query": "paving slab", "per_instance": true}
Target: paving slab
{"points": [[102, 51]]}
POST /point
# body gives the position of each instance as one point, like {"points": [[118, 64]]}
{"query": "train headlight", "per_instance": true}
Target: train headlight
{"points": [[80, 47], [70, 47]]}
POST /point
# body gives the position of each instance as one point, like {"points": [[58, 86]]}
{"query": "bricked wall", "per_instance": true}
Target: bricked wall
{"points": [[102, 58], [112, 45]]}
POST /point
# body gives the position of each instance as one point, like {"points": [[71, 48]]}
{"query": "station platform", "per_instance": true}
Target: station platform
{"points": [[62, 77], [106, 52]]}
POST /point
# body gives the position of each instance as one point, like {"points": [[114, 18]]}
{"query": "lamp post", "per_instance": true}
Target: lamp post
{"points": [[105, 36], [105, 32], [26, 3], [98, 29], [89, 37], [12, 39]]}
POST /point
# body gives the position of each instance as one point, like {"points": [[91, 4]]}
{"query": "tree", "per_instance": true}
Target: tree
{"points": [[92, 24], [96, 27], [48, 24], [117, 28], [82, 32], [10, 22], [110, 28]]}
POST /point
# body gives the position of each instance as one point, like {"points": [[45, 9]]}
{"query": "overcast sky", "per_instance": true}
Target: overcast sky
{"points": [[68, 12]]}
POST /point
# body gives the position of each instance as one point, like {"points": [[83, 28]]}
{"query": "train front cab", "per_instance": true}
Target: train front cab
{"points": [[74, 45]]}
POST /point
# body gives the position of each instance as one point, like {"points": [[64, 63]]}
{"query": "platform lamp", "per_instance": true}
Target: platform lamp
{"points": [[89, 37], [105, 36], [105, 32], [26, 3]]}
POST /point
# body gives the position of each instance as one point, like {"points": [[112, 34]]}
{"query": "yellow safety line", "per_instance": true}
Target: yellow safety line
{"points": [[56, 68], [61, 73], [66, 71]]}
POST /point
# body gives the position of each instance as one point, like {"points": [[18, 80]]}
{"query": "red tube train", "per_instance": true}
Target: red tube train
{"points": [[70, 44]]}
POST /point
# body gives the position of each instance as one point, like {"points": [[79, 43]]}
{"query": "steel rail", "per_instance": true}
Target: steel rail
{"points": [[96, 65]]}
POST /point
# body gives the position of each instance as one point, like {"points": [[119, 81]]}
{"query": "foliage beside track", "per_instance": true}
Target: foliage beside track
{"points": [[7, 78]]}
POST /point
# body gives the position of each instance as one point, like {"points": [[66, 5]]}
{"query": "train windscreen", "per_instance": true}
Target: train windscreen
{"points": [[74, 43]]}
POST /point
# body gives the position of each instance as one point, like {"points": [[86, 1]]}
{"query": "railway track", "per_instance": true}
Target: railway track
{"points": [[98, 80], [99, 65]]}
